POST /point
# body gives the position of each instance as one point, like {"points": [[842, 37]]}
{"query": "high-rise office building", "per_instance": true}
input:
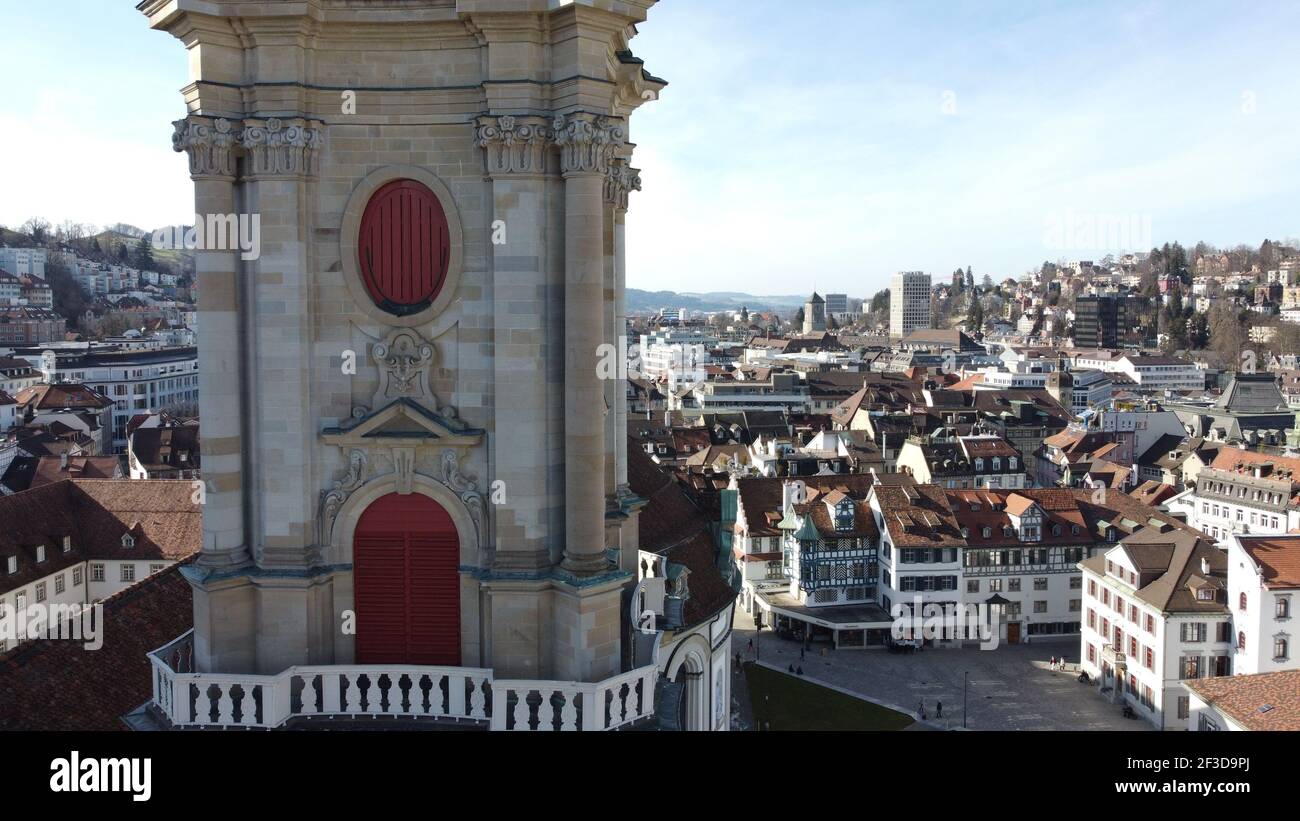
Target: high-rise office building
{"points": [[1098, 321], [909, 303], [836, 304]]}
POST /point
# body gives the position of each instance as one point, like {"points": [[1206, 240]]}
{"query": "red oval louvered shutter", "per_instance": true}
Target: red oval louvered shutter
{"points": [[404, 246]]}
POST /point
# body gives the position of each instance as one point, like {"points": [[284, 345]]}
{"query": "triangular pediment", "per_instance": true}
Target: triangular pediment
{"points": [[404, 422]]}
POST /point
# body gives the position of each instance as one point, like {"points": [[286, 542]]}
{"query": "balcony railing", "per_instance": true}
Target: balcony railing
{"points": [[466, 695]]}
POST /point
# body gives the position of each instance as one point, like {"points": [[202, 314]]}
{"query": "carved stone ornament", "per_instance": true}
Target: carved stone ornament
{"points": [[514, 145], [464, 487], [404, 470], [620, 180], [589, 142], [209, 144], [404, 359], [283, 147], [332, 500]]}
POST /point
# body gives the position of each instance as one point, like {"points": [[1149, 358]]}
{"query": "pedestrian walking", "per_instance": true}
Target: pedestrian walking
{"points": [[938, 709], [799, 671], [801, 654]]}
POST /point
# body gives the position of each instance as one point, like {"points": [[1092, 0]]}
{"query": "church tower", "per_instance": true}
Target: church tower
{"points": [[410, 453], [814, 314]]}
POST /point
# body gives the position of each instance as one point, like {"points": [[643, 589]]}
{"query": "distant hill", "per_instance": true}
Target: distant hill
{"points": [[651, 301]]}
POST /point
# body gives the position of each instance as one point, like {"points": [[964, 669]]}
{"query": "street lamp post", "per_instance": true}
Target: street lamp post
{"points": [[964, 676]]}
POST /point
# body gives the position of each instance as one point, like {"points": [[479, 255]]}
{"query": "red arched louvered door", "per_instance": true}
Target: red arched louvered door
{"points": [[404, 247], [405, 574]]}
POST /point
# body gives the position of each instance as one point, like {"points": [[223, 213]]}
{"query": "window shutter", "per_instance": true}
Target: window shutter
{"points": [[404, 247]]}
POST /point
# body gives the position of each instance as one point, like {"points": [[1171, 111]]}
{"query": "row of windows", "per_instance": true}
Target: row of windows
{"points": [[1013, 585], [911, 583], [1281, 605], [1258, 519], [1261, 496], [1281, 646]]}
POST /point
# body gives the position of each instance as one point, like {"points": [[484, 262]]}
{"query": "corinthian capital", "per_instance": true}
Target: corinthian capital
{"points": [[514, 145], [588, 142], [283, 147], [620, 180], [210, 144]]}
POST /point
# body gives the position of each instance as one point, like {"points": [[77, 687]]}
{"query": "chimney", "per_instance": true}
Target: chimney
{"points": [[1205, 566]]}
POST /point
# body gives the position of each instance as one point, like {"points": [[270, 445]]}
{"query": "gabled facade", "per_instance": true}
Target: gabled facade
{"points": [[1156, 615], [1263, 594]]}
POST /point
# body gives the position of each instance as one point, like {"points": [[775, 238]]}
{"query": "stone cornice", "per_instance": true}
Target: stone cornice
{"points": [[514, 144], [588, 142]]}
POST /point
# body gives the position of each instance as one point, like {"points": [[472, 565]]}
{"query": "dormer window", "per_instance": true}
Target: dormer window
{"points": [[979, 464], [986, 532], [67, 544], [13, 565], [1011, 462], [997, 463], [128, 540], [844, 516], [40, 553]]}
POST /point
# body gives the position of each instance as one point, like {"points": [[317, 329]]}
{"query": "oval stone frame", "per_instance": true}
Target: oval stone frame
{"points": [[349, 245]]}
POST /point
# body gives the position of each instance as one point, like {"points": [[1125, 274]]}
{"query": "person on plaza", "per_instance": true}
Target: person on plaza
{"points": [[938, 709]]}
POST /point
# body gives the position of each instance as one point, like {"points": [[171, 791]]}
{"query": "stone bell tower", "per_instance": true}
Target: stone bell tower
{"points": [[410, 453]]}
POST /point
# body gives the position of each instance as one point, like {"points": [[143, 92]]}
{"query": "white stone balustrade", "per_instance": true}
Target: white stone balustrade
{"points": [[210, 700]]}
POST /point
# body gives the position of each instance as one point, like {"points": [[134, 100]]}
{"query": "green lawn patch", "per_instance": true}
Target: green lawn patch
{"points": [[784, 702]]}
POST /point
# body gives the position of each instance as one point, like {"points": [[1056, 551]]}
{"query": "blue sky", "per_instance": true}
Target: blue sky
{"points": [[821, 143]]}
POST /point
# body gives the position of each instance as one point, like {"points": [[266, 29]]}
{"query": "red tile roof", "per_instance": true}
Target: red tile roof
{"points": [[96, 513], [1278, 558], [1264, 701], [49, 684], [63, 395]]}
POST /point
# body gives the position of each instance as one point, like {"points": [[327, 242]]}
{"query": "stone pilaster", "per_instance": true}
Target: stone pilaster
{"points": [[280, 164], [588, 143], [621, 181], [210, 144], [515, 151]]}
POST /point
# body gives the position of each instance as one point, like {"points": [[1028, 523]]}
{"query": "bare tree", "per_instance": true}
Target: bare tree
{"points": [[38, 228]]}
